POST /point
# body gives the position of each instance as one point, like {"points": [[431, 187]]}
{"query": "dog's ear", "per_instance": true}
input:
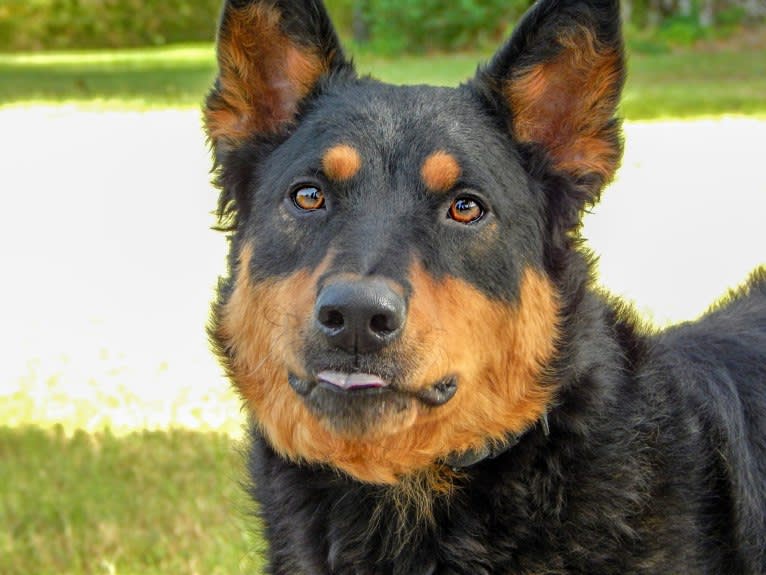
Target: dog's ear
{"points": [[272, 55], [559, 80]]}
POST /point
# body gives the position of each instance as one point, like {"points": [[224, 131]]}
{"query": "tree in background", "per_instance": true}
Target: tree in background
{"points": [[704, 13], [360, 26], [387, 25]]}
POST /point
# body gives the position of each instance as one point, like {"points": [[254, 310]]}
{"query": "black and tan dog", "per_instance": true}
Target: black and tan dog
{"points": [[435, 385]]}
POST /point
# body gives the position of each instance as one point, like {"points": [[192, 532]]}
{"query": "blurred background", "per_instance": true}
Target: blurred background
{"points": [[118, 434]]}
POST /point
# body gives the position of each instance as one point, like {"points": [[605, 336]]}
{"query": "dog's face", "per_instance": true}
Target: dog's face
{"points": [[392, 297]]}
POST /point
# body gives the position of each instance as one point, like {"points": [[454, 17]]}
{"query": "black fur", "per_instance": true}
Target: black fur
{"points": [[655, 457]]}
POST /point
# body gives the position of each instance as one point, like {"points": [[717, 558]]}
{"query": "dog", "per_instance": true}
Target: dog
{"points": [[436, 385]]}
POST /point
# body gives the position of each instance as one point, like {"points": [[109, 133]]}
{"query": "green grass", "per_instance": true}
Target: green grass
{"points": [[122, 79], [683, 84], [141, 504], [688, 84]]}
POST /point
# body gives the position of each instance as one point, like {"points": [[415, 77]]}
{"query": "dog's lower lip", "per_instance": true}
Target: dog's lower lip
{"points": [[301, 386], [351, 381], [439, 394]]}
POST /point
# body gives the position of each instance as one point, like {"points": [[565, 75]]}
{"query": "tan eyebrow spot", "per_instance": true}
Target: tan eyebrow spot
{"points": [[341, 162], [440, 171]]}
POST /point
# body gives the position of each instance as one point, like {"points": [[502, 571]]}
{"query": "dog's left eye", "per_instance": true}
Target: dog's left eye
{"points": [[466, 210], [309, 198]]}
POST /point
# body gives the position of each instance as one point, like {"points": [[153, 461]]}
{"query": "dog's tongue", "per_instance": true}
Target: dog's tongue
{"points": [[351, 381]]}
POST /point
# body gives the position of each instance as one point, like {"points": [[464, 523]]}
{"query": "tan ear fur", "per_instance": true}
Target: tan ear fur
{"points": [[263, 75], [567, 105]]}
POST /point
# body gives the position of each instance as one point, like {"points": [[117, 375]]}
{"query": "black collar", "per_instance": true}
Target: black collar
{"points": [[471, 457]]}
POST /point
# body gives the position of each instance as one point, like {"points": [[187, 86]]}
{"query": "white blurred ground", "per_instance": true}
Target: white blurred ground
{"points": [[685, 219], [108, 262]]}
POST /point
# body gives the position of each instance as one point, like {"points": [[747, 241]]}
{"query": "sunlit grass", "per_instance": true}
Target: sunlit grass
{"points": [[90, 390], [683, 84], [686, 85], [144, 79], [168, 56]]}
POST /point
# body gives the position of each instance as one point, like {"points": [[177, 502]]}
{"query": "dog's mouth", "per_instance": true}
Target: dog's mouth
{"points": [[356, 384], [356, 402]]}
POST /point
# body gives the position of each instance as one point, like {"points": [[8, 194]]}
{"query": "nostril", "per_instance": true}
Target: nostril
{"points": [[334, 320], [331, 318], [383, 324]]}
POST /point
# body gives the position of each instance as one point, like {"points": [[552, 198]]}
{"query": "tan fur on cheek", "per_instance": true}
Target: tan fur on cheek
{"points": [[261, 326], [497, 351]]}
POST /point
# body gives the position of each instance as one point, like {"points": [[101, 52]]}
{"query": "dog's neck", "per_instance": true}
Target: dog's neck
{"points": [[465, 459]]}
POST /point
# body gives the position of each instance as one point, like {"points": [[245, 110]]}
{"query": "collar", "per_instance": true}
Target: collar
{"points": [[471, 457]]}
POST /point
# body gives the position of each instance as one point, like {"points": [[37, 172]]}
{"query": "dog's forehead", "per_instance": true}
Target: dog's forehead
{"points": [[401, 120]]}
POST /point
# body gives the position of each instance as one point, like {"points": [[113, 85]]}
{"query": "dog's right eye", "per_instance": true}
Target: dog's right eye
{"points": [[466, 210], [309, 198]]}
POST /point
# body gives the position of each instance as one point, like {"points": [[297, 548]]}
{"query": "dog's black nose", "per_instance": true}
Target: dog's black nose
{"points": [[361, 316]]}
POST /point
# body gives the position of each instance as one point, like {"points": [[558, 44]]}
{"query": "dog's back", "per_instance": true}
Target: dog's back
{"points": [[716, 370]]}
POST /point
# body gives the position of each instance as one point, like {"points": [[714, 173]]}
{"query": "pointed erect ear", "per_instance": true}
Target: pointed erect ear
{"points": [[559, 78], [271, 56]]}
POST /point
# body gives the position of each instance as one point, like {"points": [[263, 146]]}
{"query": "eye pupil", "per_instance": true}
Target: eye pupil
{"points": [[464, 205], [309, 198], [466, 210]]}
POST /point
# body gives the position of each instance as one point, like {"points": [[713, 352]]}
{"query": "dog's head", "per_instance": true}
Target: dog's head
{"points": [[393, 295]]}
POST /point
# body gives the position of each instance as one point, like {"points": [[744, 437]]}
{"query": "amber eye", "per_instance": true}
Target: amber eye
{"points": [[308, 198], [466, 210]]}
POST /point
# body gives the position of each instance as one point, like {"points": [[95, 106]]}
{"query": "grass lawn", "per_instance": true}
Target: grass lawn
{"points": [[148, 503], [118, 435], [683, 84]]}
